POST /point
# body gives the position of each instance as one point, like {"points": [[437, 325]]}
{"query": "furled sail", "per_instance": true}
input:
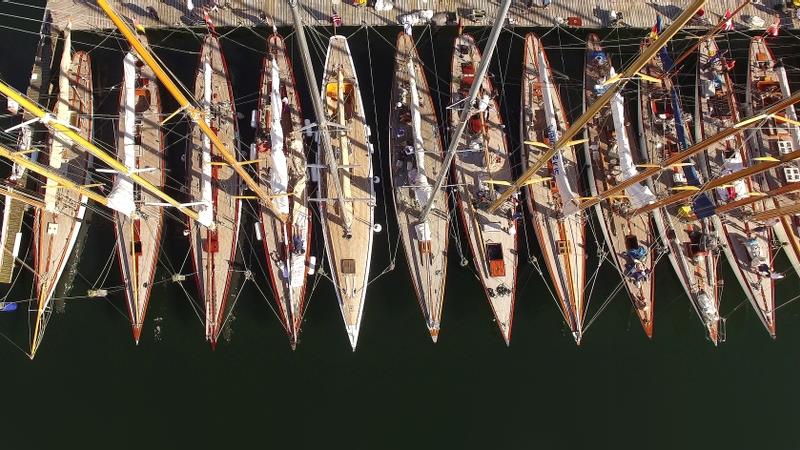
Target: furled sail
{"points": [[206, 211], [638, 194], [422, 190], [568, 197], [279, 179], [121, 196]]}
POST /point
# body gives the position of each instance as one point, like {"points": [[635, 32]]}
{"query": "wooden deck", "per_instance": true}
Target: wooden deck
{"points": [[349, 254], [214, 252], [561, 236], [606, 148], [482, 162], [416, 156], [286, 244], [57, 226], [139, 236], [691, 243], [749, 243], [85, 14]]}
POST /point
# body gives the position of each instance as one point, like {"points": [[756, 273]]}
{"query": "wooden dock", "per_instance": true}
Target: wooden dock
{"points": [[86, 15]]}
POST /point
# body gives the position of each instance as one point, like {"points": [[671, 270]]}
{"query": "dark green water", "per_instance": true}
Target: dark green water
{"points": [[90, 387]]}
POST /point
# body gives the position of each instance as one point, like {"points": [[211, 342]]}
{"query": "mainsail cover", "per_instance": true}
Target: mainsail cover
{"points": [[638, 194], [568, 196], [280, 174], [121, 196], [422, 189], [206, 211]]}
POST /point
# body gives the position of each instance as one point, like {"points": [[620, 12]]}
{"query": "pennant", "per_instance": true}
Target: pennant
{"points": [[728, 21], [775, 27]]}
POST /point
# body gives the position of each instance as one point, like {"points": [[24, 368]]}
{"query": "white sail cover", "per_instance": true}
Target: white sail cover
{"points": [[121, 196], [422, 190], [739, 186], [790, 111], [206, 210], [638, 194], [280, 172], [568, 196]]}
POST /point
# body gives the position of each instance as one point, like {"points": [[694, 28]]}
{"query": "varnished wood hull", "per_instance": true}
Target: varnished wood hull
{"points": [[214, 252], [696, 273], [603, 174], [286, 244], [139, 236], [427, 258], [492, 237], [55, 232], [562, 239]]}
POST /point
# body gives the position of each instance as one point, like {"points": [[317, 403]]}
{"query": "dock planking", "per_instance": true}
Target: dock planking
{"points": [[86, 15]]}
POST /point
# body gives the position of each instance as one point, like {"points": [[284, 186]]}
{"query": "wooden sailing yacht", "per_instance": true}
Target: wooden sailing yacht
{"points": [[614, 155], [552, 199], [140, 145], [766, 84], [285, 229], [415, 154], [749, 249], [56, 227], [693, 245], [347, 215], [31, 137], [217, 186], [482, 167]]}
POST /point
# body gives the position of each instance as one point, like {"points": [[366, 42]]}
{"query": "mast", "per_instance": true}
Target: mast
{"points": [[466, 110], [651, 170], [630, 71], [194, 113], [324, 136], [61, 128]]}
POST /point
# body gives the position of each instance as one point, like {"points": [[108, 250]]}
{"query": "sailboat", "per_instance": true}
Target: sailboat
{"points": [[56, 227], [749, 245], [613, 155], [348, 215], [30, 138], [140, 145], [481, 170], [279, 152], [415, 154], [217, 186], [552, 199], [693, 245], [766, 84]]}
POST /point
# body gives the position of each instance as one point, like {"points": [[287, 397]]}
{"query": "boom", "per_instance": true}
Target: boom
{"points": [[195, 113], [112, 162], [598, 104]]}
